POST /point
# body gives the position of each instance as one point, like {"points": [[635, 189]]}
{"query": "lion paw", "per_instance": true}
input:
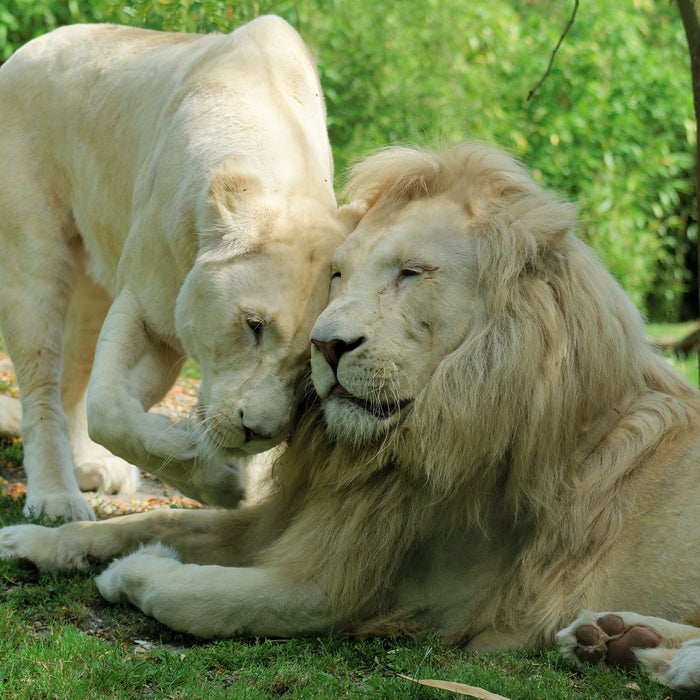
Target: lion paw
{"points": [[64, 506], [106, 472], [666, 650], [215, 482], [31, 542], [225, 488], [605, 638], [48, 548], [125, 575]]}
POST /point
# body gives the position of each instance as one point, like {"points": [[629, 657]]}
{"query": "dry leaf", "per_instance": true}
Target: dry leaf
{"points": [[460, 688]]}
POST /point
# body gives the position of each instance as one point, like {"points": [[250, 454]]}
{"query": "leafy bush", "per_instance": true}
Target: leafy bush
{"points": [[611, 126]]}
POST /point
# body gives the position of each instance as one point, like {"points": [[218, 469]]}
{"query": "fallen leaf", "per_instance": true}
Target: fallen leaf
{"points": [[460, 688]]}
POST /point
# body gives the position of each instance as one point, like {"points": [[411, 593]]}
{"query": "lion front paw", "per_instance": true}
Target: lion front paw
{"points": [[125, 578], [67, 506], [223, 487], [48, 548], [213, 481], [668, 651], [31, 542]]}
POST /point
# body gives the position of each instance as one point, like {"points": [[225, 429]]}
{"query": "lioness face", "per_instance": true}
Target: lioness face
{"points": [[403, 293], [247, 322]]}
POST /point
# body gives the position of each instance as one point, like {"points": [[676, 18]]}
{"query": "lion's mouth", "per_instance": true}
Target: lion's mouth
{"points": [[383, 411]]}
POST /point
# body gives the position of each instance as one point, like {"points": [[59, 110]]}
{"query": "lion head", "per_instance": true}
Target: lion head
{"points": [[246, 307], [469, 333]]}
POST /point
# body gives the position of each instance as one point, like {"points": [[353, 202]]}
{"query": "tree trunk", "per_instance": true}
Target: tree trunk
{"points": [[690, 14]]}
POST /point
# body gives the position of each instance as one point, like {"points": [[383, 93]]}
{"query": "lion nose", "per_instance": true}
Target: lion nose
{"points": [[334, 349], [251, 435], [252, 432]]}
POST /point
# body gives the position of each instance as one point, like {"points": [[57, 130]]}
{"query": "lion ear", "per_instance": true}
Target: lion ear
{"points": [[522, 205], [229, 184], [351, 214], [234, 212], [550, 221]]}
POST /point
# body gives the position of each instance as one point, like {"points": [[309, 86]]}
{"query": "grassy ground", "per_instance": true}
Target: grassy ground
{"points": [[60, 639]]}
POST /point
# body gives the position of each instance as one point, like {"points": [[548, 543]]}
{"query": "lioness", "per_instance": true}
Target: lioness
{"points": [[495, 448], [173, 194]]}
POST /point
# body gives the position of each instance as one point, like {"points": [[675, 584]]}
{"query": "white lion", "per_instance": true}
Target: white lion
{"points": [[173, 194], [497, 447]]}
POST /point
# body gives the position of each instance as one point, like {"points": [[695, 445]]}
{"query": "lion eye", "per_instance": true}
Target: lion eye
{"points": [[406, 273], [414, 268], [256, 326], [335, 281]]}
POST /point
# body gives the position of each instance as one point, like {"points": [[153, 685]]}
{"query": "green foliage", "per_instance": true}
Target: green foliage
{"points": [[22, 20], [628, 119], [11, 453], [612, 125], [685, 363]]}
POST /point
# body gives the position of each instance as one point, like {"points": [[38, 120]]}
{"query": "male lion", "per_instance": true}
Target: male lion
{"points": [[496, 448], [173, 194]]}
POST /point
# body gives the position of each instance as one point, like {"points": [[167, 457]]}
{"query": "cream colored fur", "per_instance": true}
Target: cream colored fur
{"points": [[177, 188], [500, 449]]}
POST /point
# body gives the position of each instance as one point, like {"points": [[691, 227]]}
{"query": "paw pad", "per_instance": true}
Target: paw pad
{"points": [[608, 641], [621, 650]]}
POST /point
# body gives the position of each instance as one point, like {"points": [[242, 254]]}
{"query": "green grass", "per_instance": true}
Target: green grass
{"points": [[60, 639]]}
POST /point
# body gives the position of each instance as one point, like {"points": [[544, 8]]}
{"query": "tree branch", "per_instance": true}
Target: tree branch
{"points": [[554, 53]]}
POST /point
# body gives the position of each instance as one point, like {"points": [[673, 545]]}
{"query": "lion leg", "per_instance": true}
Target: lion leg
{"points": [[216, 601], [95, 467], [131, 372], [199, 536], [37, 287], [668, 651]]}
